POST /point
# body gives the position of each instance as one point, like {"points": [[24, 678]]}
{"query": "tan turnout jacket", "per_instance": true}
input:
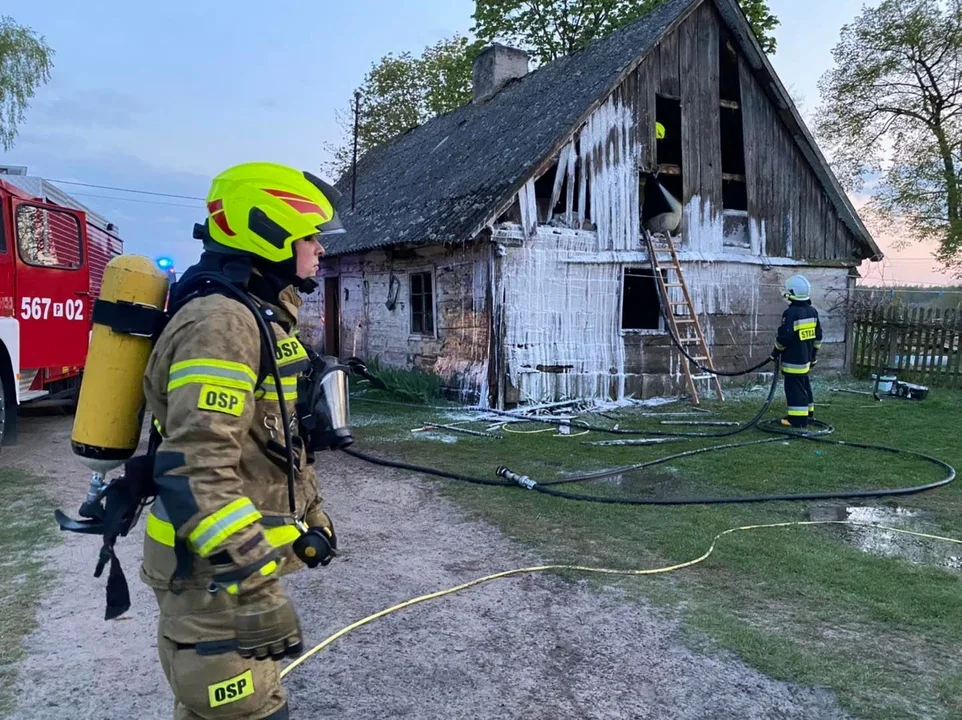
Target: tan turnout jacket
{"points": [[221, 468]]}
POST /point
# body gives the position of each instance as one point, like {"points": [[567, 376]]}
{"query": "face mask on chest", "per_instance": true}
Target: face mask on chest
{"points": [[323, 406]]}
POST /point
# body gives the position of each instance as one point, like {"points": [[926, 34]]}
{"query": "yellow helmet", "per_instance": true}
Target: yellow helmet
{"points": [[261, 208]]}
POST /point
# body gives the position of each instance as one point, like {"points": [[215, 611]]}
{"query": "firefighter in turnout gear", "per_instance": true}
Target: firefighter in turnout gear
{"points": [[797, 344], [221, 531]]}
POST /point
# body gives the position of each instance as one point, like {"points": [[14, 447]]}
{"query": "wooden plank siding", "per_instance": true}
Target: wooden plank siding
{"points": [[786, 202]]}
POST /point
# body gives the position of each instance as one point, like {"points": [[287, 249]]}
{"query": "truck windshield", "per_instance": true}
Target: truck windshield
{"points": [[48, 238]]}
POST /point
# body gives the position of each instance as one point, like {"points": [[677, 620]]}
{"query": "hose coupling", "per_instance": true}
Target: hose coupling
{"points": [[522, 480]]}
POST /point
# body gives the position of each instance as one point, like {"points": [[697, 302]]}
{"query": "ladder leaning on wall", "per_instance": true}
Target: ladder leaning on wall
{"points": [[680, 313]]}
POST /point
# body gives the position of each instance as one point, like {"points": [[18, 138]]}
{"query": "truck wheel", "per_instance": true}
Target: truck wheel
{"points": [[3, 409], [8, 409]]}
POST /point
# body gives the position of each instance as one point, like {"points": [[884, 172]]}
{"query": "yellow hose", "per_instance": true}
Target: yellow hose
{"points": [[578, 568]]}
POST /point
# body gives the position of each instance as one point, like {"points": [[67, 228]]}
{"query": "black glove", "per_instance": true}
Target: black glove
{"points": [[318, 546], [775, 356]]}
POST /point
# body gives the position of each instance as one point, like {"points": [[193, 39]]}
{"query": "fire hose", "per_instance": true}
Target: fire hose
{"points": [[324, 644], [505, 477]]}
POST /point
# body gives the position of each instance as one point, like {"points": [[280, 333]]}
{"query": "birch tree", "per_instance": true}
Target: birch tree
{"points": [[25, 62]]}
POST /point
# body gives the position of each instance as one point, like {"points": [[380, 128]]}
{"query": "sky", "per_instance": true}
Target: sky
{"points": [[163, 96]]}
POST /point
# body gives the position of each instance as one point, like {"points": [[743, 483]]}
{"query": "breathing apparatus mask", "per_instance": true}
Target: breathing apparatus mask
{"points": [[323, 406]]}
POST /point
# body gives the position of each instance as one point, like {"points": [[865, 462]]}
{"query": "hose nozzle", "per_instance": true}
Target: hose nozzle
{"points": [[522, 480]]}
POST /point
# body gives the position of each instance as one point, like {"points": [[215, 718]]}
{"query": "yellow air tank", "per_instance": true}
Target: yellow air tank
{"points": [[109, 419]]}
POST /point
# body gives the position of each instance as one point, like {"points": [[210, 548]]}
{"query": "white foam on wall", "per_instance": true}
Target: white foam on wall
{"points": [[561, 314], [529, 208], [610, 151]]}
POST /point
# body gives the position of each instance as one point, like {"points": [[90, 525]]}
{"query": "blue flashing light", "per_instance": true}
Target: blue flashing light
{"points": [[165, 263]]}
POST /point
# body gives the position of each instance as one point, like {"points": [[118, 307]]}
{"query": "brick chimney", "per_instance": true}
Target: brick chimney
{"points": [[494, 67]]}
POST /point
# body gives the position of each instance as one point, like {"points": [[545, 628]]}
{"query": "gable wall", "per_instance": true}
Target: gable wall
{"points": [[790, 214]]}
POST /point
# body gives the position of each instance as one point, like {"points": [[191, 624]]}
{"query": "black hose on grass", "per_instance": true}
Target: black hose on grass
{"points": [[508, 477]]}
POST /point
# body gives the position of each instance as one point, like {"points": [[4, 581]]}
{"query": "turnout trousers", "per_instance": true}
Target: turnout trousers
{"points": [[209, 679], [195, 643], [800, 400]]}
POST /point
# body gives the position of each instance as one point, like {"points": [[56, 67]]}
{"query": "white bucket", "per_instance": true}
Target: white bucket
{"points": [[885, 384]]}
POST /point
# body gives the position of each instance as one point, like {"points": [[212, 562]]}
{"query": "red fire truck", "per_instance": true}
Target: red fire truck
{"points": [[52, 257]]}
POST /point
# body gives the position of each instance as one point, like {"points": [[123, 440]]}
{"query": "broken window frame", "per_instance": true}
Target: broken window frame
{"points": [[562, 192], [417, 318]]}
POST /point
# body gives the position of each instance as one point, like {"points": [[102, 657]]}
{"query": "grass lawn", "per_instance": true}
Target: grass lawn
{"points": [[875, 618], [26, 530]]}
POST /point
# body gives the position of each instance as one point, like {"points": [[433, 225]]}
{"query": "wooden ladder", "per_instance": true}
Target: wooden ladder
{"points": [[681, 314]]}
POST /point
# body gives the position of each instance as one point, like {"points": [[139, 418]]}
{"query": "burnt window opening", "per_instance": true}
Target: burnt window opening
{"points": [[730, 82], [734, 196], [583, 194], [565, 190], [543, 191], [733, 143], [570, 191], [422, 303], [640, 306], [668, 113], [731, 127], [669, 156]]}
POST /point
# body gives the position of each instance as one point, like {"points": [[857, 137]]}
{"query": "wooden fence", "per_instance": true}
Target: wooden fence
{"points": [[920, 345]]}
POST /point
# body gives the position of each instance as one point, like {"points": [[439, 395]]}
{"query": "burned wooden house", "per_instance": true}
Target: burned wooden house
{"points": [[499, 245]]}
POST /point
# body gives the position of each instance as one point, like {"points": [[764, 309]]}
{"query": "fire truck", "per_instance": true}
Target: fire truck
{"points": [[53, 252]]}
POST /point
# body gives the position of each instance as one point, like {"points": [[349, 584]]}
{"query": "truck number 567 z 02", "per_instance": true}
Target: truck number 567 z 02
{"points": [[44, 308]]}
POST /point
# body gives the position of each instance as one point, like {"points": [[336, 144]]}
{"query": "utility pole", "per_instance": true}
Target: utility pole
{"points": [[357, 127]]}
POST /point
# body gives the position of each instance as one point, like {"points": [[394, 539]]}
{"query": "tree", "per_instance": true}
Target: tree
{"points": [[892, 112], [402, 92], [25, 62], [550, 29]]}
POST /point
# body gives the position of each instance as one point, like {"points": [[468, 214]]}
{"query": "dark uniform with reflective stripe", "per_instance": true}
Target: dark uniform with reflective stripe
{"points": [[223, 499], [798, 342]]}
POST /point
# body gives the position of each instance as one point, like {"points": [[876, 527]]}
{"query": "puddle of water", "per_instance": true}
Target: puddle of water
{"points": [[657, 485], [437, 437], [878, 541]]}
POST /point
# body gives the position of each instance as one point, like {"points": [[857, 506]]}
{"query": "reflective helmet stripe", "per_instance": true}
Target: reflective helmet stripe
{"points": [[301, 204], [217, 214]]}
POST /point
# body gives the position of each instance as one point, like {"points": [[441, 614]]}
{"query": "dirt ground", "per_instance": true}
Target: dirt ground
{"points": [[530, 647]]}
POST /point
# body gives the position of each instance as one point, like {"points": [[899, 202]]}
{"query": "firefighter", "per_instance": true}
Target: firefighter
{"points": [[797, 344], [219, 536]]}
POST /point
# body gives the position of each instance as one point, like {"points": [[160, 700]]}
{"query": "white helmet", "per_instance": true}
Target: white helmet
{"points": [[797, 287]]}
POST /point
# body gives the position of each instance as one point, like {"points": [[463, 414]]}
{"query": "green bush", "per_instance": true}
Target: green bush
{"points": [[409, 385]]}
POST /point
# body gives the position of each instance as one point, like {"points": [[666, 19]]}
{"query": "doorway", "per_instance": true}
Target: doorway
{"points": [[332, 316]]}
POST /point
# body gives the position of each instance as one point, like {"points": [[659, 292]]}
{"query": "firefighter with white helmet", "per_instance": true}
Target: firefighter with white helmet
{"points": [[797, 344], [231, 507]]}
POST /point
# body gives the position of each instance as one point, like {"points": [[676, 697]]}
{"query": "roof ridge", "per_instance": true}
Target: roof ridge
{"points": [[514, 82]]}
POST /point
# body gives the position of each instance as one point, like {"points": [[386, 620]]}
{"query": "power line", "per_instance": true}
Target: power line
{"points": [[134, 200], [129, 190]]}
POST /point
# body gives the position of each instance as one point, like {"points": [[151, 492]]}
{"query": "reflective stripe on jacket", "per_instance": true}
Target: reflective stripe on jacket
{"points": [[799, 338], [221, 468]]}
